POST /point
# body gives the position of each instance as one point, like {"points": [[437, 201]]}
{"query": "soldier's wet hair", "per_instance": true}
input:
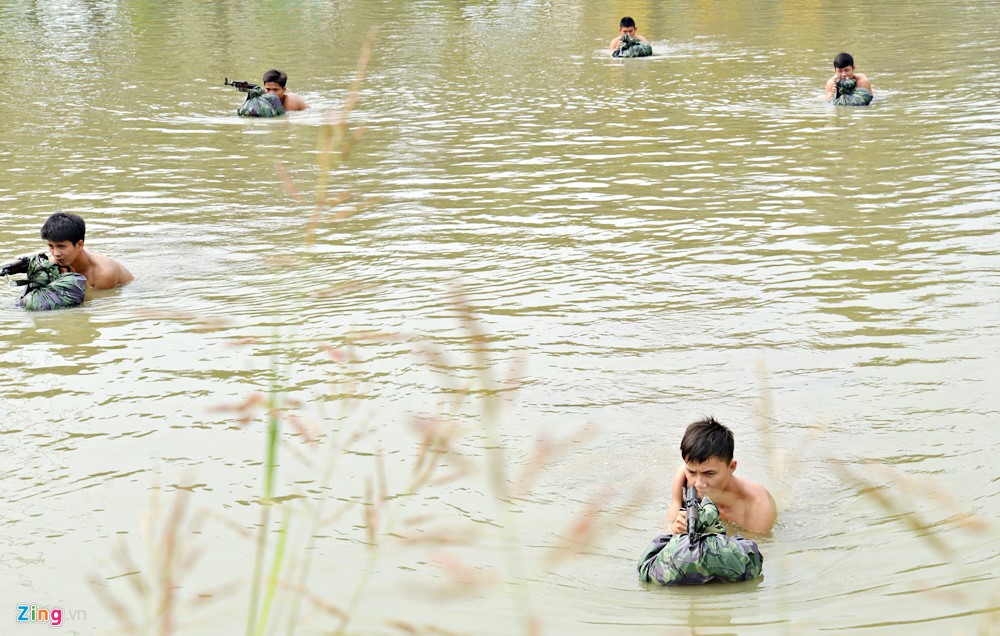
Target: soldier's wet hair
{"points": [[63, 226], [706, 439], [274, 75], [626, 23], [843, 60]]}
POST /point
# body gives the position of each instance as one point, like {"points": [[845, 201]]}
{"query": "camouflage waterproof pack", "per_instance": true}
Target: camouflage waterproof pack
{"points": [[708, 555], [848, 94], [260, 104], [48, 288], [629, 46]]}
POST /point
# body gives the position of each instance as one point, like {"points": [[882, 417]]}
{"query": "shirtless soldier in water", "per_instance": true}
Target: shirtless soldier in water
{"points": [[64, 234], [707, 451]]}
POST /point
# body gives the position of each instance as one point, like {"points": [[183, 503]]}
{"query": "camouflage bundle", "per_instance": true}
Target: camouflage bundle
{"points": [[260, 104], [848, 94], [629, 46], [708, 555], [48, 288]]}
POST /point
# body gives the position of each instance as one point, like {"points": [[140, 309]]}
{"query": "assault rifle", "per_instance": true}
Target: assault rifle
{"points": [[246, 87], [691, 508], [19, 266]]}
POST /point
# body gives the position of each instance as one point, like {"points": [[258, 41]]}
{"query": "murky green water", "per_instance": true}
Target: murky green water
{"points": [[643, 241]]}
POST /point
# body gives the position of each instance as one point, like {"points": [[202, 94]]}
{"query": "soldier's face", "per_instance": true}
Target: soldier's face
{"points": [[710, 476], [629, 31], [844, 73], [274, 87], [63, 253]]}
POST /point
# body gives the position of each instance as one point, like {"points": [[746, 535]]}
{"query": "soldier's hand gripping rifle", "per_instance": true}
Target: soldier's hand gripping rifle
{"points": [[19, 266], [47, 285], [691, 508], [846, 86], [624, 43]]}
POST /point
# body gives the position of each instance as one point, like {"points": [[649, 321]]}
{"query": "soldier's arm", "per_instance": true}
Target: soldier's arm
{"points": [[831, 88], [615, 43]]}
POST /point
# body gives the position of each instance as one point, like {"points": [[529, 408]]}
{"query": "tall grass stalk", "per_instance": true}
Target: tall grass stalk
{"points": [[335, 143], [889, 490], [255, 615], [381, 518], [273, 579], [316, 519], [497, 465], [169, 560]]}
